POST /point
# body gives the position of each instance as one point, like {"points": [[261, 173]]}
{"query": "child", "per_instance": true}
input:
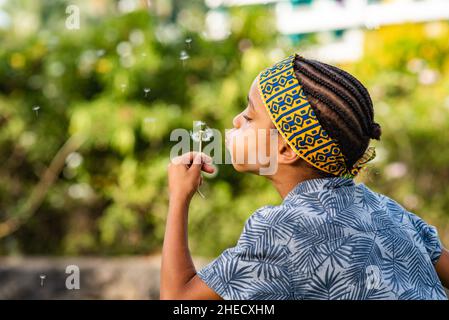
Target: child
{"points": [[330, 238]]}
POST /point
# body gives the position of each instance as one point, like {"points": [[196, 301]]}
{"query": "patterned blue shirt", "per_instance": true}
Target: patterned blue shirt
{"points": [[330, 239]]}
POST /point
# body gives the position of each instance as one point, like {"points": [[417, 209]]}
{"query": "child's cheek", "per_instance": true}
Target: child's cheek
{"points": [[236, 143], [229, 139]]}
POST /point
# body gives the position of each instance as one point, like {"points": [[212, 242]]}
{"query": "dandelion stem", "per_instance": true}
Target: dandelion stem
{"points": [[200, 135]]}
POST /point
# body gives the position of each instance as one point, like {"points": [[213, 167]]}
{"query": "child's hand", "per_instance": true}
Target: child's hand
{"points": [[184, 174]]}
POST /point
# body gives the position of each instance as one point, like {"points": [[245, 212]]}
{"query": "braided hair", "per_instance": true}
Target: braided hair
{"points": [[342, 105]]}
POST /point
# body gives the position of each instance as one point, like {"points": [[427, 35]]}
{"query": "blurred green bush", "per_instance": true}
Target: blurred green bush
{"points": [[86, 116]]}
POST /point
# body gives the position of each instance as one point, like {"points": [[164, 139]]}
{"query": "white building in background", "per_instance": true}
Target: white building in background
{"points": [[347, 17]]}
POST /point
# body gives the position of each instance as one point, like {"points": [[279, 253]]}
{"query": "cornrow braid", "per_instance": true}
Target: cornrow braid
{"points": [[313, 92], [360, 87], [342, 105], [345, 79], [340, 111], [351, 101]]}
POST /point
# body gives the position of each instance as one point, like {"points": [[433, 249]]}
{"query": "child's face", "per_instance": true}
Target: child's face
{"points": [[251, 135]]}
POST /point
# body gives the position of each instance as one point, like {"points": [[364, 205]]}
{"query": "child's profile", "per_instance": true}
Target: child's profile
{"points": [[330, 238]]}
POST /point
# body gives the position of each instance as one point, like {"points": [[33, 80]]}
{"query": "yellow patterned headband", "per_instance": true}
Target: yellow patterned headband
{"points": [[295, 119]]}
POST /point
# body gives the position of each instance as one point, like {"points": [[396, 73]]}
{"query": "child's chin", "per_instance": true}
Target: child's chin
{"points": [[245, 168], [239, 167]]}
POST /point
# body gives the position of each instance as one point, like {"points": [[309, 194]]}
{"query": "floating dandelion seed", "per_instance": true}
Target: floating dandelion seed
{"points": [[188, 41], [101, 52], [183, 56], [149, 119], [123, 86], [36, 109], [199, 134], [42, 277], [146, 90]]}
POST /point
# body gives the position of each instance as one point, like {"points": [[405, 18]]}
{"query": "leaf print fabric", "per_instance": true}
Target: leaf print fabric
{"points": [[330, 239]]}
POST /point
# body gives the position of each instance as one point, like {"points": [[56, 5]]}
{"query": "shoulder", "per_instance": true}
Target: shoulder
{"points": [[272, 225], [424, 235]]}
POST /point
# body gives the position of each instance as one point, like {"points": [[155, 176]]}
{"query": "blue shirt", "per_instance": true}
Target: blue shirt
{"points": [[330, 239]]}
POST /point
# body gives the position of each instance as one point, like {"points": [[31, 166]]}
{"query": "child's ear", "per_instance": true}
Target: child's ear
{"points": [[286, 155]]}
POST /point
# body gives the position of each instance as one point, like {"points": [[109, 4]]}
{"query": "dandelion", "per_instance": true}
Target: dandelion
{"points": [[199, 134]]}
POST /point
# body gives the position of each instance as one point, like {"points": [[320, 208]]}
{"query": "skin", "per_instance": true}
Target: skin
{"points": [[178, 273], [442, 268]]}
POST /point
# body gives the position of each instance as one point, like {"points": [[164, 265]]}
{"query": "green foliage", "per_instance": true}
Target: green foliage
{"points": [[110, 197]]}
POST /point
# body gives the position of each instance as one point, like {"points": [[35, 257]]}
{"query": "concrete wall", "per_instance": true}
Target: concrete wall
{"points": [[100, 278]]}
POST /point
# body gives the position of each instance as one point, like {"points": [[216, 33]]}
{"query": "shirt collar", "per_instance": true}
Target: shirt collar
{"points": [[318, 184]]}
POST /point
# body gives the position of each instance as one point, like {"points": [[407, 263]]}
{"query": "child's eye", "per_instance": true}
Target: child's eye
{"points": [[246, 118]]}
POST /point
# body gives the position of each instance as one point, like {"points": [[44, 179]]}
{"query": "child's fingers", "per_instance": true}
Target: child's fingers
{"points": [[199, 158], [208, 168], [197, 163], [189, 157], [201, 161]]}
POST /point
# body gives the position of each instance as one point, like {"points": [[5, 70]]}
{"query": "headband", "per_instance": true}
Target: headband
{"points": [[293, 116]]}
